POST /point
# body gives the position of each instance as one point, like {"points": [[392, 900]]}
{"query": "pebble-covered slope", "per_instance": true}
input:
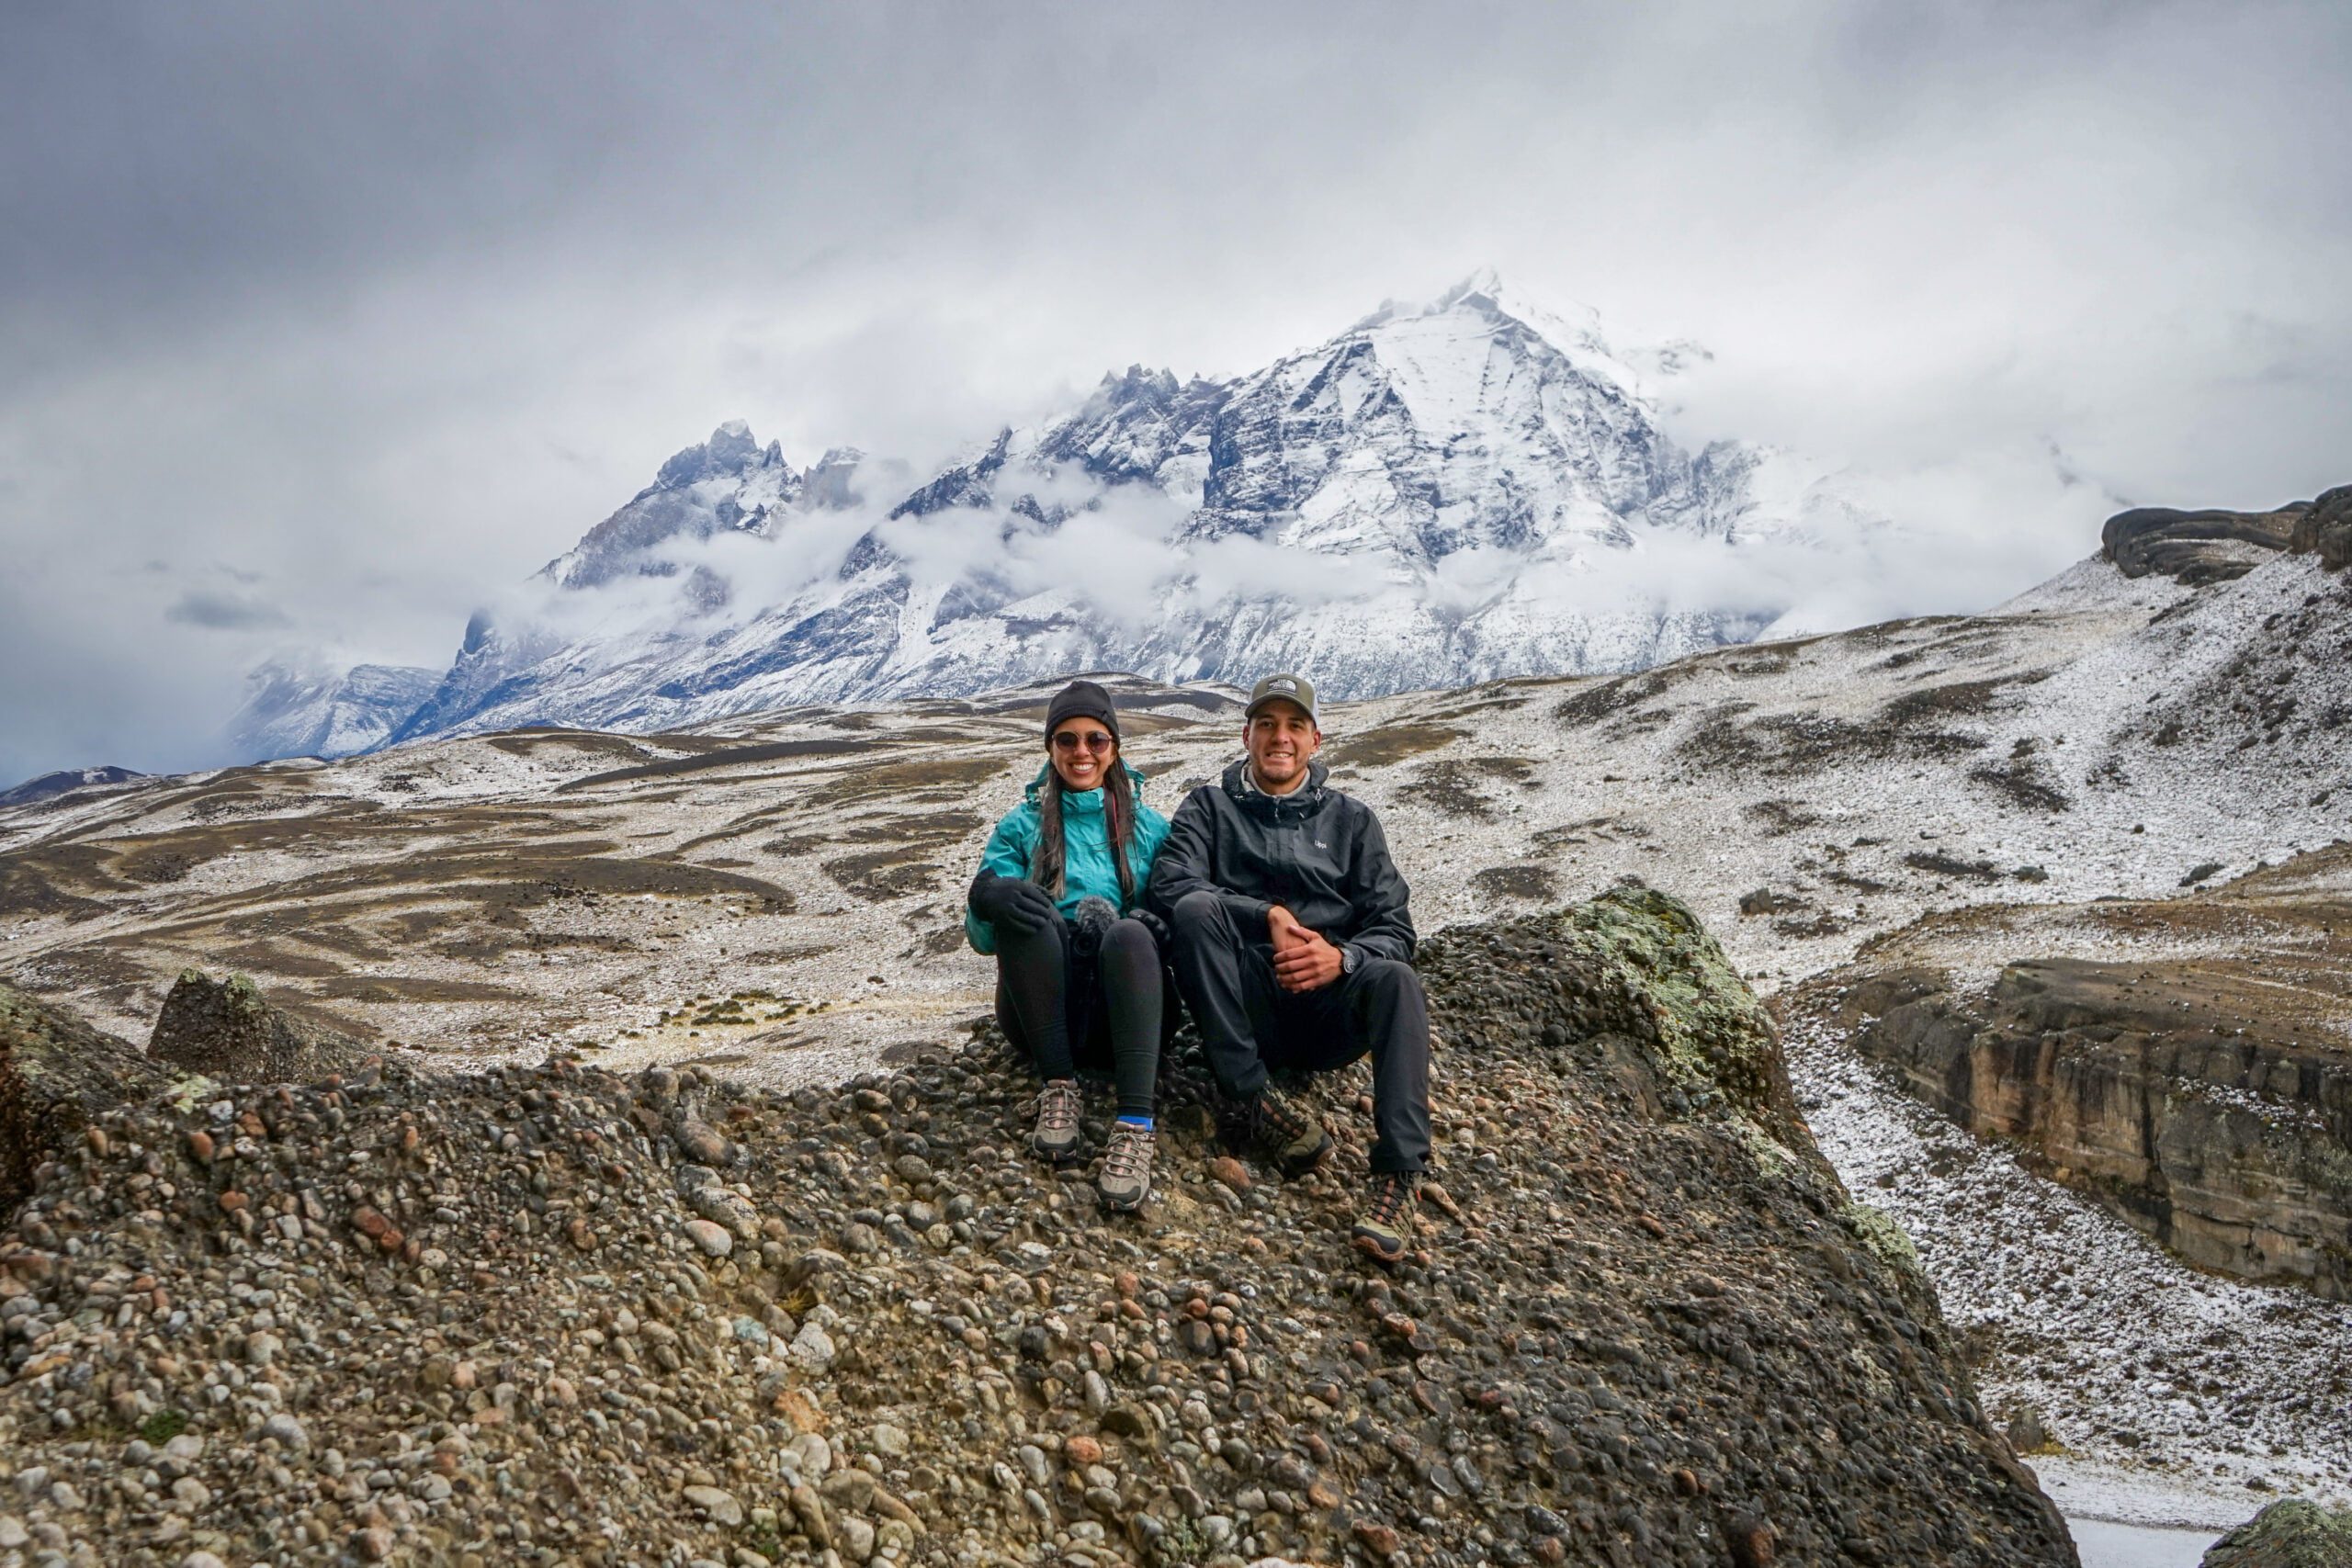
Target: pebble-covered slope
{"points": [[551, 1314]]}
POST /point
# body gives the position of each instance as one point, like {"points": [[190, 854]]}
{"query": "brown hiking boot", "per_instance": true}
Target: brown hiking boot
{"points": [[1385, 1227], [1295, 1139], [1125, 1180], [1058, 1106]]}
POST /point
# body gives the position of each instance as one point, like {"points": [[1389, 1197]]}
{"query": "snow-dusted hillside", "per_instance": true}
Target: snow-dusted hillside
{"points": [[2102, 738], [1469, 489]]}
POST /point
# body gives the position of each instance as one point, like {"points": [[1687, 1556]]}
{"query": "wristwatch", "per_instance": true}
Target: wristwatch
{"points": [[1348, 959]]}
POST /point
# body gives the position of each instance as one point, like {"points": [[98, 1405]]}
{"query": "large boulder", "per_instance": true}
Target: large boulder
{"points": [[56, 1073], [1642, 1322], [2290, 1534], [227, 1030]]}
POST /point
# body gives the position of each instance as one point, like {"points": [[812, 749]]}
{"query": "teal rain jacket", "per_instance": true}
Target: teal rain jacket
{"points": [[1086, 867]]}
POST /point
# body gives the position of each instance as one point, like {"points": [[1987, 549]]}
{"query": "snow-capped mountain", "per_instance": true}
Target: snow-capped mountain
{"points": [[296, 709], [1441, 494]]}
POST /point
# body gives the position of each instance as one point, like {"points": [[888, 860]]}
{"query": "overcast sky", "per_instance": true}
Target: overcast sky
{"points": [[318, 324]]}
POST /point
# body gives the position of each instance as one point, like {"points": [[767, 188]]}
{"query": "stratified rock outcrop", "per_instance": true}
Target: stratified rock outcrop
{"points": [[2290, 1534], [2212, 545], [558, 1314], [2195, 547], [226, 1029], [2157, 1089], [56, 1073], [2325, 529], [2205, 1096]]}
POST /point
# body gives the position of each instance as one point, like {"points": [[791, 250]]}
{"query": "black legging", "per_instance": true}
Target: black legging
{"points": [[1039, 978]]}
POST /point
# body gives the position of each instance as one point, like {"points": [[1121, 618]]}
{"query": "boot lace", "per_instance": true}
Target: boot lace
{"points": [[1057, 1107], [1277, 1116], [1389, 1196], [1129, 1157]]}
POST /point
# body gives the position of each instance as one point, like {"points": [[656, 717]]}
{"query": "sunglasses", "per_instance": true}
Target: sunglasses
{"points": [[1070, 740]]}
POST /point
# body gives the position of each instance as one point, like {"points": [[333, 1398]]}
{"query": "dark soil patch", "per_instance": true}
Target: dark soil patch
{"points": [[1823, 924], [1598, 701], [1794, 744], [1465, 785], [793, 846], [882, 876], [1943, 865], [906, 780], [1387, 744], [923, 831], [1958, 699], [727, 757], [1536, 882], [1782, 817], [264, 958], [943, 941], [155, 864], [2018, 779], [592, 742], [415, 988]]}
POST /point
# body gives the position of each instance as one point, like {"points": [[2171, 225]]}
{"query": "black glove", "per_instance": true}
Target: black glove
{"points": [[1014, 903], [1161, 937]]}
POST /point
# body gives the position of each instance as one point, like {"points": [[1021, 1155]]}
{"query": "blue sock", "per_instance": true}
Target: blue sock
{"points": [[1144, 1121]]}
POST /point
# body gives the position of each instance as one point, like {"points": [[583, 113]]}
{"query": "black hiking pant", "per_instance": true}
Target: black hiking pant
{"points": [[1250, 1024], [1105, 1010]]}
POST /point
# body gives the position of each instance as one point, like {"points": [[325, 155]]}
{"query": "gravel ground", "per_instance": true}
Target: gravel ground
{"points": [[552, 1314]]}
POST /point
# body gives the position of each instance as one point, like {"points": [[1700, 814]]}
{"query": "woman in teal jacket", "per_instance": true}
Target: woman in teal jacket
{"points": [[1061, 884]]}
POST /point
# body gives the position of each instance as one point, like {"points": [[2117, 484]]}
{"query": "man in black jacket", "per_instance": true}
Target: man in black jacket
{"points": [[1293, 947]]}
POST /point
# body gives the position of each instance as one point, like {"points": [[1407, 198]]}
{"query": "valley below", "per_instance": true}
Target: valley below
{"points": [[2138, 783]]}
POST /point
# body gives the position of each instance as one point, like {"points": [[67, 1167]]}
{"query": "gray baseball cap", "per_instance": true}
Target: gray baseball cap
{"points": [[1285, 688]]}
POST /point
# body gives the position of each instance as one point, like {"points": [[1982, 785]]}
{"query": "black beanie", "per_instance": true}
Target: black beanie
{"points": [[1082, 699]]}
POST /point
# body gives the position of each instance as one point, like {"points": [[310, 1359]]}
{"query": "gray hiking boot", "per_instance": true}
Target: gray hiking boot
{"points": [[1127, 1166], [1385, 1229], [1058, 1105], [1293, 1137]]}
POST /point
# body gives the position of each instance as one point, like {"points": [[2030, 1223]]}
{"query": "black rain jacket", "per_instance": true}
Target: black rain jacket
{"points": [[1316, 851]]}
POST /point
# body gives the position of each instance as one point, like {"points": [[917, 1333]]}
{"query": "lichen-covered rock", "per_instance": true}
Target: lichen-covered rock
{"points": [[1642, 1322], [56, 1073], [2290, 1534], [226, 1029]]}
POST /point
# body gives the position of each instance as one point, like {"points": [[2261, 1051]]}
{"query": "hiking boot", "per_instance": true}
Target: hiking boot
{"points": [[1058, 1106], [1127, 1166], [1295, 1139], [1385, 1227]]}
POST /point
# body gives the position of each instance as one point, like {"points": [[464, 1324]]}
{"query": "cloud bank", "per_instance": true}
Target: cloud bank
{"points": [[383, 309]]}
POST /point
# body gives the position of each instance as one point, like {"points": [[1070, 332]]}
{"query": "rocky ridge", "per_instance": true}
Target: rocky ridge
{"points": [[549, 1314], [2215, 545]]}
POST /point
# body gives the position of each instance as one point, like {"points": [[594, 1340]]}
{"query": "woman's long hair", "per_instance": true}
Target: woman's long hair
{"points": [[1046, 866]]}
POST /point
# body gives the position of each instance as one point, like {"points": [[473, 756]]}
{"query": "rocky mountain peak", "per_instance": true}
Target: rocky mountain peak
{"points": [[730, 452]]}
